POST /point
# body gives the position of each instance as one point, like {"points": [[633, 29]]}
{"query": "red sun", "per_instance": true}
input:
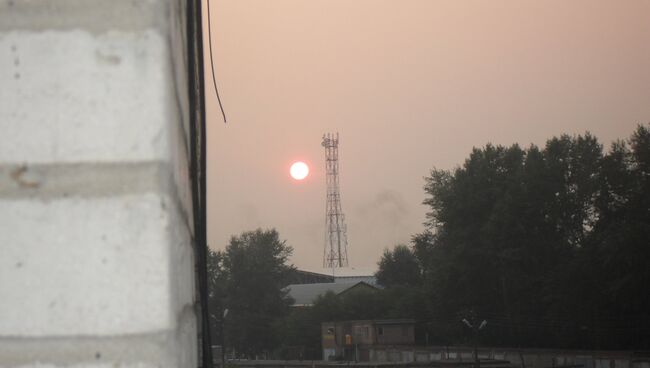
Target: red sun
{"points": [[299, 170]]}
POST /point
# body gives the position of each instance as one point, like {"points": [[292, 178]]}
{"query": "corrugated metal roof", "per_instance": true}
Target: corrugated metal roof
{"points": [[306, 294], [372, 280], [346, 271]]}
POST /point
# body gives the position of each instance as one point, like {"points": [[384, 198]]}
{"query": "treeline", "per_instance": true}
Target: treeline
{"points": [[550, 245], [246, 296]]}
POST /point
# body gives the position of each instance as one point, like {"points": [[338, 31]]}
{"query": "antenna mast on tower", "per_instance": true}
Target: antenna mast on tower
{"points": [[336, 239]]}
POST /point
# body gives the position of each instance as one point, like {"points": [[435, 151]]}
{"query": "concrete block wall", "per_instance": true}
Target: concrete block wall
{"points": [[96, 256]]}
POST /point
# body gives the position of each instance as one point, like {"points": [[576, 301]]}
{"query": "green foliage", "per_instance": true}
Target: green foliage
{"points": [[216, 294], [300, 330], [302, 327], [551, 245], [398, 267], [247, 279]]}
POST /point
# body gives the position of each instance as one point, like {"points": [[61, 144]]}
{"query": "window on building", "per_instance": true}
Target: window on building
{"points": [[362, 331], [330, 330], [380, 331]]}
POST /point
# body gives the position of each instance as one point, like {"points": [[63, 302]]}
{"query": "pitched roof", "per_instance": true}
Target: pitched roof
{"points": [[307, 277], [306, 294], [346, 271], [372, 280]]}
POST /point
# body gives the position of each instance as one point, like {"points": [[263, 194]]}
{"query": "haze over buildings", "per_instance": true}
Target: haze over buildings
{"points": [[410, 85]]}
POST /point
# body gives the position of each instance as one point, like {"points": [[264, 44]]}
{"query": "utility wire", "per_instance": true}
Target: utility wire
{"points": [[196, 86], [214, 78]]}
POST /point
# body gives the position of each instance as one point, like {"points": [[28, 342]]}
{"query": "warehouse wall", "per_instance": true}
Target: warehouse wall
{"points": [[96, 258]]}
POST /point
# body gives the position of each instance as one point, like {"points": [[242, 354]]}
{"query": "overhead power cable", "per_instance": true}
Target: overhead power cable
{"points": [[214, 78]]}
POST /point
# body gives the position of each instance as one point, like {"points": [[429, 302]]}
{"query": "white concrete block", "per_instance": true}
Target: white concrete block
{"points": [[93, 15], [73, 95], [92, 266], [96, 262], [171, 349]]}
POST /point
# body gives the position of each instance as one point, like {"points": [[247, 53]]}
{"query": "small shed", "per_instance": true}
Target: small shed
{"points": [[360, 340]]}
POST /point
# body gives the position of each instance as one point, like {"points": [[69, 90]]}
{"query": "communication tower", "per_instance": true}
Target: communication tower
{"points": [[336, 239]]}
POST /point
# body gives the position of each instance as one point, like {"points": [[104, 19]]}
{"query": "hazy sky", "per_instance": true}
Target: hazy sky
{"points": [[409, 85]]}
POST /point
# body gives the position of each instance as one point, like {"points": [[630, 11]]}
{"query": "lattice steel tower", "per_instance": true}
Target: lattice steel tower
{"points": [[336, 239]]}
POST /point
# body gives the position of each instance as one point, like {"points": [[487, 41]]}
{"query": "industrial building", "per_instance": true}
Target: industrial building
{"points": [[365, 340]]}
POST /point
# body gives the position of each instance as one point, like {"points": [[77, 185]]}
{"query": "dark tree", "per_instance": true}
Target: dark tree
{"points": [[216, 294], [550, 245], [398, 267], [255, 265]]}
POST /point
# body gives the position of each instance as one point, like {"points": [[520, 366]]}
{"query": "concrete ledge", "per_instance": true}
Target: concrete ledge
{"points": [[127, 350], [91, 15], [86, 180], [166, 349]]}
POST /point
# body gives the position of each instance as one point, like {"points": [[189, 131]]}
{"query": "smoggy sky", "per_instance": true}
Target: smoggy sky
{"points": [[409, 85]]}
